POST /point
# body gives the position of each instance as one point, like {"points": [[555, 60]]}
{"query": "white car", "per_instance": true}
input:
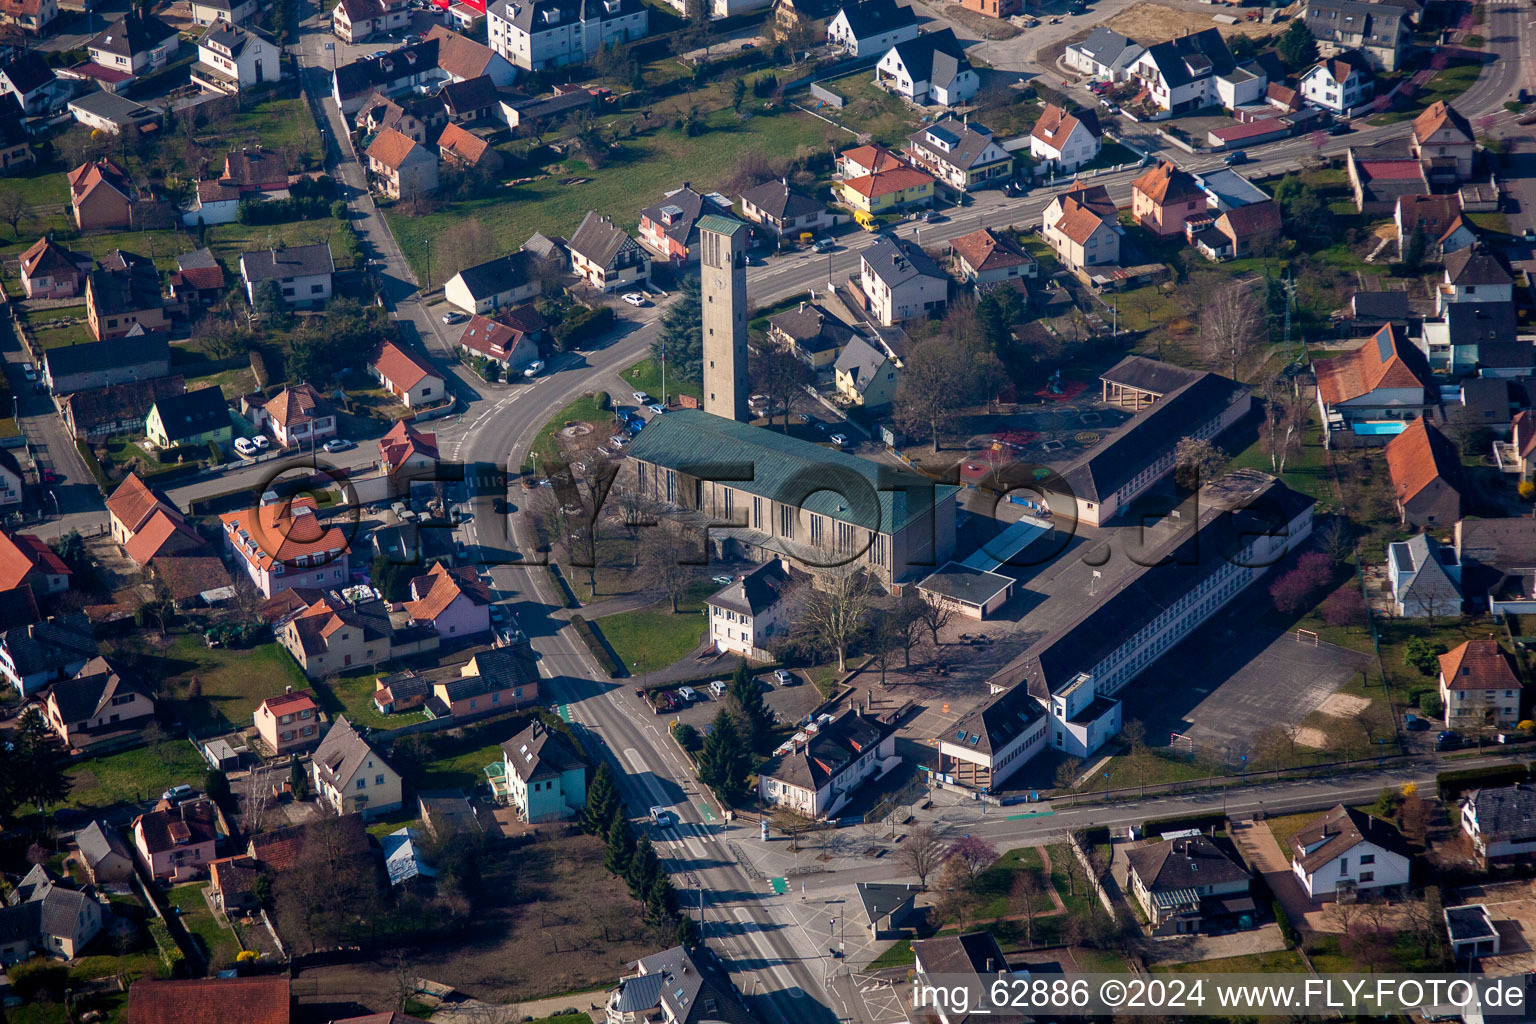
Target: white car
{"points": [[619, 440], [839, 440], [687, 693], [244, 446], [657, 408], [454, 318], [634, 298], [784, 676], [261, 442], [640, 397]]}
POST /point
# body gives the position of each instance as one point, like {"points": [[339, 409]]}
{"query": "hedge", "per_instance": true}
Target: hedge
{"points": [[93, 465], [170, 473], [171, 957], [581, 325], [259, 368], [1287, 929], [1452, 784], [562, 588], [595, 644]]}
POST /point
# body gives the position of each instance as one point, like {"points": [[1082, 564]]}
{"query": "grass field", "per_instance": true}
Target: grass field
{"points": [[1446, 85], [870, 109], [583, 410], [1283, 961], [133, 775], [652, 638], [640, 171], [233, 682], [646, 376], [352, 695], [460, 771], [275, 124], [218, 944], [77, 333]]}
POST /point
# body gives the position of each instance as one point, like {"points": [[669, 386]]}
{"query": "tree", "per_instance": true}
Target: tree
{"points": [[1344, 607], [1368, 945], [957, 901], [1337, 539], [792, 823], [1021, 899], [1285, 418], [680, 343], [216, 785], [723, 760], [267, 298], [1197, 461], [1415, 248], [974, 855], [603, 803], [666, 562], [621, 847], [738, 94], [934, 616], [937, 381], [1231, 322], [644, 867], [833, 613], [463, 243], [1067, 772], [779, 375], [298, 781], [745, 699], [1298, 47], [1423, 655], [37, 772], [922, 853], [906, 623]]}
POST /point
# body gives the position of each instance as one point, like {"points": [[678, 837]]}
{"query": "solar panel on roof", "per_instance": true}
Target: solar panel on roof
{"points": [[1384, 345]]}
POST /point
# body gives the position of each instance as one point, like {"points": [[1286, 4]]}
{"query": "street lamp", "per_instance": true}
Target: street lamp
{"points": [[1106, 787], [1245, 769]]}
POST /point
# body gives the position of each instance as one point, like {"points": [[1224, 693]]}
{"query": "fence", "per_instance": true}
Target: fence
{"points": [[827, 96]]}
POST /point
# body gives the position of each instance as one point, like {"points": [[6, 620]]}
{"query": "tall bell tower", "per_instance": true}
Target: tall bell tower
{"points": [[723, 294]]}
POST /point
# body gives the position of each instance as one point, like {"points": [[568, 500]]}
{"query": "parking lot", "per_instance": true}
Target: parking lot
{"points": [[788, 703]]}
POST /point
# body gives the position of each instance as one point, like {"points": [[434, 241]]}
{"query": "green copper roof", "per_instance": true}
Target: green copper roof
{"points": [[715, 222]]}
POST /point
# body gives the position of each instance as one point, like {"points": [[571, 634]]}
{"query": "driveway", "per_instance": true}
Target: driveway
{"points": [[1257, 844]]}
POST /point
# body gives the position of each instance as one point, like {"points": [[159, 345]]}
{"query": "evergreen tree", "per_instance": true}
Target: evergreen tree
{"points": [[723, 762], [687, 933], [682, 335], [1298, 48], [602, 802], [661, 901], [644, 867], [621, 846], [38, 777], [752, 715], [216, 785]]}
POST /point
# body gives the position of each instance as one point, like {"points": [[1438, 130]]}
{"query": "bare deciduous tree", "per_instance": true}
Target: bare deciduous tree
{"points": [[922, 853], [1231, 323], [934, 616], [834, 609], [1026, 888], [13, 208], [667, 560], [464, 243], [1197, 461]]}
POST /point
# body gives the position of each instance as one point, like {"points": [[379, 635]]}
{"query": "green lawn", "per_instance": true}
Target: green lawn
{"points": [[1284, 961], [1112, 154], [132, 775], [64, 335], [897, 954], [1305, 471], [995, 885], [641, 170], [1154, 767], [646, 376], [39, 187], [228, 241], [351, 694], [233, 681], [1446, 85], [459, 771], [218, 944], [652, 638], [583, 410], [1286, 826], [275, 124], [869, 109]]}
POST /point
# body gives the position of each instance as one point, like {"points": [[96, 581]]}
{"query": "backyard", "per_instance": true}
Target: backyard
{"points": [[134, 776], [217, 943], [233, 681]]}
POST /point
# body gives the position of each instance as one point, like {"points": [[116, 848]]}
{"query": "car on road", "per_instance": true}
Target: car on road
{"points": [[785, 677], [1236, 158], [634, 298], [824, 245], [379, 53], [49, 477], [1342, 128], [1448, 740], [499, 506], [244, 446], [640, 397], [339, 444], [805, 417], [661, 816], [840, 440], [657, 408], [821, 427], [261, 441], [455, 317]]}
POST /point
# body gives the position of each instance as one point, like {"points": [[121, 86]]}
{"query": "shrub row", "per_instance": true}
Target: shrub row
{"points": [[171, 957], [1156, 826], [581, 325], [596, 646], [94, 466], [1454, 783], [562, 588]]}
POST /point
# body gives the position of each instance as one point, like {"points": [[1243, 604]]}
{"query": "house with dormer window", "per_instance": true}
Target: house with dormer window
{"points": [[350, 776]]}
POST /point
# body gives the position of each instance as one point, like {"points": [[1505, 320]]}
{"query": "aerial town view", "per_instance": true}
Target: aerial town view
{"points": [[758, 511]]}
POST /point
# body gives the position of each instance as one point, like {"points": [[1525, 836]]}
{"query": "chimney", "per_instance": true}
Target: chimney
{"points": [[802, 307], [288, 689]]}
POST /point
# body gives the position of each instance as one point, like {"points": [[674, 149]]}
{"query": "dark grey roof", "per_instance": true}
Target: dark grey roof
{"points": [[690, 990], [51, 644], [12, 131], [933, 57], [812, 329], [1472, 323], [1104, 45], [558, 15], [1340, 830], [545, 247], [881, 898], [503, 666], [98, 841], [294, 261], [1380, 305], [1501, 543], [20, 923], [835, 746], [1150, 375], [125, 287], [1467, 923], [779, 201], [898, 260], [1143, 439], [1506, 355], [599, 239], [27, 71], [874, 496], [1187, 58], [1488, 399], [33, 884], [134, 33], [61, 910], [193, 413], [965, 583], [83, 696], [1476, 265], [503, 273], [973, 953], [966, 142], [342, 752], [221, 33], [1335, 20], [1421, 555], [678, 212], [1184, 864], [877, 17], [755, 592], [1504, 810], [996, 721], [861, 361], [539, 752], [397, 65], [469, 95]]}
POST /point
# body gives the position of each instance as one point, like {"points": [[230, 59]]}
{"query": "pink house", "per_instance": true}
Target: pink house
{"points": [[289, 722], [177, 843], [50, 271], [283, 545], [454, 601]]}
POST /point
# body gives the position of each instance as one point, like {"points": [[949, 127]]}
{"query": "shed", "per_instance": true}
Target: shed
{"points": [[1472, 932], [222, 755], [886, 906]]}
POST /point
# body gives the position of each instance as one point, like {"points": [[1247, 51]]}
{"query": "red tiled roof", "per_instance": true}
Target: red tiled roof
{"points": [[297, 404], [1478, 665], [255, 1000], [132, 502], [1077, 221], [390, 148], [1055, 126], [1418, 457], [984, 250], [464, 145], [293, 702], [404, 441], [22, 554], [402, 367], [163, 532], [876, 158], [1092, 197], [442, 587], [1438, 115], [1166, 184], [1379, 363], [883, 183], [1391, 170], [282, 531]]}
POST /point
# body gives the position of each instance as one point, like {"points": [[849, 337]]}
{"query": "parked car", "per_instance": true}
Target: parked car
{"points": [[176, 794], [717, 689], [688, 693], [533, 369], [454, 318], [1448, 740], [1528, 235], [337, 444], [1236, 158], [499, 506], [29, 371], [840, 440], [1109, 106], [657, 408], [261, 441], [1342, 128], [785, 677], [1415, 723], [640, 397], [634, 298], [824, 245], [245, 446]]}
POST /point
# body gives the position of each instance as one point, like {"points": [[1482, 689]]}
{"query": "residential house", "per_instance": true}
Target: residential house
{"points": [[675, 987], [1193, 72], [400, 691], [605, 257], [460, 58], [1237, 233], [281, 545], [545, 775], [542, 34], [994, 8], [106, 857], [1339, 85], [669, 228], [886, 191], [1438, 222], [137, 43], [198, 279], [354, 21], [748, 612], [191, 419], [101, 196], [47, 917], [290, 722], [16, 151], [511, 339], [1424, 578], [900, 282], [254, 1000], [302, 273], [1475, 273], [406, 450], [97, 706], [254, 169], [1426, 476], [28, 77], [862, 161], [212, 203], [869, 27], [467, 150], [1444, 143], [930, 70], [503, 281], [31, 16], [470, 101], [1498, 563], [407, 376], [1380, 31], [963, 155], [811, 333], [403, 857], [177, 843], [27, 561], [413, 117], [994, 739], [335, 634], [124, 294], [1062, 143], [448, 812], [1104, 54], [1190, 885], [1164, 197], [785, 211], [1501, 821], [454, 602], [1283, 98], [818, 776], [284, 849], [131, 506], [232, 884], [10, 480], [1082, 225], [232, 12], [986, 257], [1479, 686], [352, 777], [791, 18], [1477, 337], [402, 167], [915, 530], [965, 964], [34, 655], [1366, 395], [231, 60], [98, 364], [392, 73], [490, 683], [1225, 189], [1379, 177], [1346, 851], [865, 374]]}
